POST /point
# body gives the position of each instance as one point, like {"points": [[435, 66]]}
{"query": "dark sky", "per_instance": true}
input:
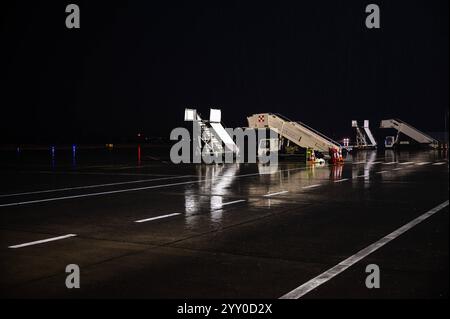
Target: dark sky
{"points": [[135, 65]]}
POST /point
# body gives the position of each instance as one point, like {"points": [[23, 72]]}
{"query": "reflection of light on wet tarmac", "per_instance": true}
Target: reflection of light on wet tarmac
{"points": [[267, 169], [216, 202], [407, 160], [390, 156], [221, 187], [281, 183], [274, 182], [336, 172], [371, 158], [191, 206], [363, 171], [216, 216], [217, 187]]}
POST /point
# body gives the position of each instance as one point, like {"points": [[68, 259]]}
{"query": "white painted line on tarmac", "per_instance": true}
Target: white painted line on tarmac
{"points": [[277, 193], [423, 163], [155, 218], [439, 163], [406, 163], [42, 241], [343, 265], [397, 169], [131, 167], [341, 180], [311, 186], [366, 175], [389, 163], [381, 172], [374, 163], [101, 173], [95, 194], [134, 189], [91, 186], [233, 202]]}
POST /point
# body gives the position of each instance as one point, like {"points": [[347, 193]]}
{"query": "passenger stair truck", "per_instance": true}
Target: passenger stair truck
{"points": [[408, 130], [298, 133], [212, 137], [364, 137]]}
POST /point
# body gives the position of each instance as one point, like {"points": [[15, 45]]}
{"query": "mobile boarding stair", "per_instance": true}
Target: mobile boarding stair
{"points": [[212, 137], [364, 137], [298, 133], [408, 130]]}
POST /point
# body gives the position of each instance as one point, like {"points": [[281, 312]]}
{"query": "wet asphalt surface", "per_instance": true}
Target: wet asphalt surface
{"points": [[233, 230]]}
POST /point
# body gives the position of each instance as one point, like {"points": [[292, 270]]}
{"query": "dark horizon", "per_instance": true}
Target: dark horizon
{"points": [[133, 67]]}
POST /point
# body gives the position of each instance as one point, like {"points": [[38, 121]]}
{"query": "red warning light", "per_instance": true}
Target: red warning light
{"points": [[139, 154]]}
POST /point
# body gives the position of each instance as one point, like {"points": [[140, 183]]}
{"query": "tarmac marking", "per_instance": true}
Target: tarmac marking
{"points": [[374, 162], [311, 186], [42, 241], [130, 167], [101, 173], [341, 180], [95, 194], [406, 163], [155, 218], [423, 163], [343, 265], [91, 186], [133, 189], [439, 163], [362, 162], [389, 163], [366, 175], [397, 169], [381, 172], [234, 202], [277, 193]]}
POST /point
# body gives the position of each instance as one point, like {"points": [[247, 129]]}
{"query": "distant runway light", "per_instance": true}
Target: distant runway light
{"points": [[53, 157], [74, 155], [139, 154]]}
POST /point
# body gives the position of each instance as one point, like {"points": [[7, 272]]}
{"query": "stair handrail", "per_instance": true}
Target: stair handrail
{"points": [[431, 138], [309, 128]]}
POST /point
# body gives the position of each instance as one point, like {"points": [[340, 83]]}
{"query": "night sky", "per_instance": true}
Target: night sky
{"points": [[135, 65]]}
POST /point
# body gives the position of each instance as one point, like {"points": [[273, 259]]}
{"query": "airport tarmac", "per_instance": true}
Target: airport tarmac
{"points": [[153, 229]]}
